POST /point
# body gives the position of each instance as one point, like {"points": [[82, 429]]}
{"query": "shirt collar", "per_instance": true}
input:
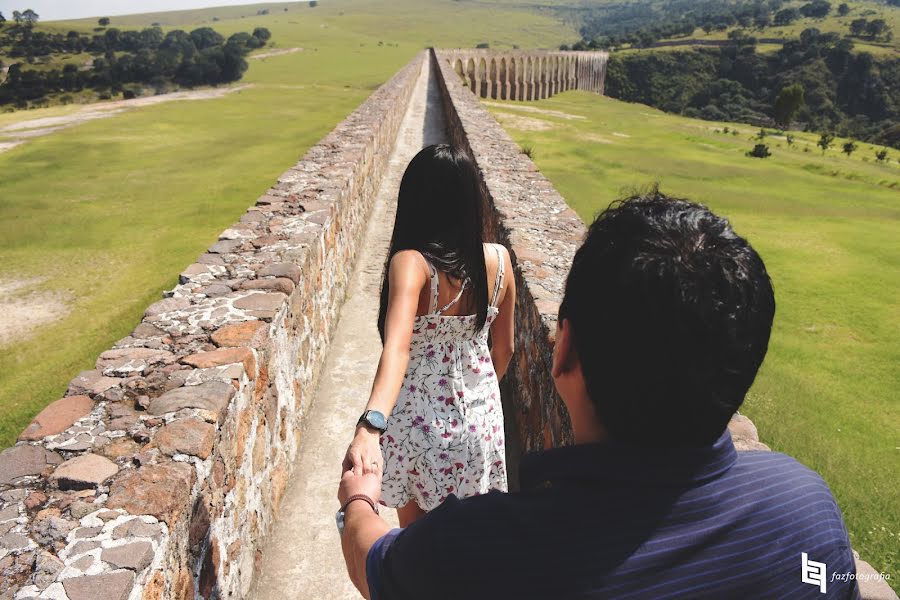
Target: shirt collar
{"points": [[614, 462]]}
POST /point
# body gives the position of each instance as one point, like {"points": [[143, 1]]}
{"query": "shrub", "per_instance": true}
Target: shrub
{"points": [[760, 151], [527, 150]]}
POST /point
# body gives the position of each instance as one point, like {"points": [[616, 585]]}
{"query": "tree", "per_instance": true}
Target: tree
{"points": [[262, 34], [30, 17], [313, 3], [849, 148], [789, 102], [786, 16], [825, 141], [2, 19], [843, 10], [881, 155], [816, 9], [206, 37], [759, 151], [17, 17], [103, 21]]}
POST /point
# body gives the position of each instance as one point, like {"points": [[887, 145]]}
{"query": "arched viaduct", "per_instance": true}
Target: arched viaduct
{"points": [[527, 74]]}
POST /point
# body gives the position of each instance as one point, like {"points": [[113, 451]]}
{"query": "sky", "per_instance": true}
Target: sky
{"points": [[54, 10]]}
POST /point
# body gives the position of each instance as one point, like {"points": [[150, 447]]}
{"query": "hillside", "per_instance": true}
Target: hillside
{"points": [[137, 195], [826, 226]]}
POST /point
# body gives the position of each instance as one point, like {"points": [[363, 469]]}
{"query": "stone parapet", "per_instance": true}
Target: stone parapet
{"points": [[159, 473], [525, 213]]}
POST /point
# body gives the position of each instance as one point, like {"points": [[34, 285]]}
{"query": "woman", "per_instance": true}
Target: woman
{"points": [[444, 290]]}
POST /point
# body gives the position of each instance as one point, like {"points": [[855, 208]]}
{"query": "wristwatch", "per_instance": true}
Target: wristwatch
{"points": [[339, 516], [374, 419]]}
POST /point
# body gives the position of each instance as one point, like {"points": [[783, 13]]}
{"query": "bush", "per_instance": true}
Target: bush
{"points": [[527, 150], [760, 151]]}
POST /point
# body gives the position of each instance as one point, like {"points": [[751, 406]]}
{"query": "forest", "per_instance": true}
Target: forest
{"points": [[817, 81], [119, 57]]}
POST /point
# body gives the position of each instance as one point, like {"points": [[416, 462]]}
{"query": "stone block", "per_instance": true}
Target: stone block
{"points": [[211, 395], [57, 417], [246, 333], [25, 460], [161, 490], [107, 586], [289, 270], [223, 356], [83, 472], [186, 436], [92, 382], [261, 305], [135, 556]]}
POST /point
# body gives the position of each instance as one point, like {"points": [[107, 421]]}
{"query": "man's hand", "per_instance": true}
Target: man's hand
{"points": [[368, 484], [362, 527]]}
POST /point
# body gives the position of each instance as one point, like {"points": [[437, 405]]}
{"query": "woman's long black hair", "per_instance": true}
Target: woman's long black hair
{"points": [[439, 214]]}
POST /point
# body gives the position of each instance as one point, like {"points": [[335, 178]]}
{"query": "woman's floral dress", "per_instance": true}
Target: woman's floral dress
{"points": [[445, 434]]}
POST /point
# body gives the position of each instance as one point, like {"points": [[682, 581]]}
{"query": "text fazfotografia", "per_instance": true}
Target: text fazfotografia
{"points": [[860, 576]]}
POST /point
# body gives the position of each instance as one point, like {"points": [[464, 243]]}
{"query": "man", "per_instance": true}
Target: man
{"points": [[665, 322]]}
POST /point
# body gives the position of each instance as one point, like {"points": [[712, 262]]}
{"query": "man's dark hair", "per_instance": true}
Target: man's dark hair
{"points": [[671, 312]]}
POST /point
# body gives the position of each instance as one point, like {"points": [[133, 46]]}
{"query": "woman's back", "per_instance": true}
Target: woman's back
{"points": [[445, 434]]}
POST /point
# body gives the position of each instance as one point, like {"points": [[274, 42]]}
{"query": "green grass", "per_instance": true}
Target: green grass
{"points": [[827, 228], [109, 212]]}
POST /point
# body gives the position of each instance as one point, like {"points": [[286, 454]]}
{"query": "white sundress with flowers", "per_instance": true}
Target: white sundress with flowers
{"points": [[445, 434]]}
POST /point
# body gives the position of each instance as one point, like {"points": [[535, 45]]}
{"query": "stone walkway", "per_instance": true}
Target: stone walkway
{"points": [[302, 558]]}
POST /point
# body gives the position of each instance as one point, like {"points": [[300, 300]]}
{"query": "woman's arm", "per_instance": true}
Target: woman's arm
{"points": [[407, 275], [503, 328]]}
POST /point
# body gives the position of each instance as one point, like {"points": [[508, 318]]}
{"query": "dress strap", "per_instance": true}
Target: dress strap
{"points": [[432, 305], [498, 282], [462, 288]]}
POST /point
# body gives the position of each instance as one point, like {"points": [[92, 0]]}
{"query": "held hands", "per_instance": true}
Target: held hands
{"points": [[364, 454], [367, 485]]}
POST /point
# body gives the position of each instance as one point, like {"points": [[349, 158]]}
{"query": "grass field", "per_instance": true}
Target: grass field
{"points": [[827, 227], [106, 214]]}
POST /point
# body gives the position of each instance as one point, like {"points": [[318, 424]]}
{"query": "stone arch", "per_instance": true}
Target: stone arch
{"points": [[470, 73], [492, 78], [483, 84], [515, 75], [503, 80], [545, 76], [458, 67]]}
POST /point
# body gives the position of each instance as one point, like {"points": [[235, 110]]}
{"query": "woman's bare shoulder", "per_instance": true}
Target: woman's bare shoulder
{"points": [[408, 261]]}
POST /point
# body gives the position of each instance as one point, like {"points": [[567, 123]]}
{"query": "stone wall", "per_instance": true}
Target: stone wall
{"points": [[527, 74], [160, 471], [527, 215]]}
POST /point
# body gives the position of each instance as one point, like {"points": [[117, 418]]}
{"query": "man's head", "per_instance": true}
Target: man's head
{"points": [[665, 322]]}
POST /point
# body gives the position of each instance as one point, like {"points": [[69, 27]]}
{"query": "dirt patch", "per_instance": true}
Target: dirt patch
{"points": [[17, 133], [621, 135], [593, 137], [24, 308], [524, 123], [271, 53], [541, 111]]}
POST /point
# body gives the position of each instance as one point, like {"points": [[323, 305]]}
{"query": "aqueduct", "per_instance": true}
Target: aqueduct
{"points": [[528, 75], [199, 458]]}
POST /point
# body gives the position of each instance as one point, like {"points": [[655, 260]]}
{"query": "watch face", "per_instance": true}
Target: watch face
{"points": [[376, 420], [339, 520]]}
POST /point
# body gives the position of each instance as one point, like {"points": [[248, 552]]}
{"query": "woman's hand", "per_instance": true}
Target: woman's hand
{"points": [[364, 454]]}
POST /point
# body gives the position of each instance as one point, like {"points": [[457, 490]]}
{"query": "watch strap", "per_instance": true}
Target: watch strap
{"points": [[360, 497]]}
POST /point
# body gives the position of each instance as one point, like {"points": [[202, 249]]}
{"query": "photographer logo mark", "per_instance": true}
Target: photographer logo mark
{"points": [[812, 572]]}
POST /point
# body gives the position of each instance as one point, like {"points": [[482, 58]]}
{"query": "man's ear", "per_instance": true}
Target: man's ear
{"points": [[565, 357]]}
